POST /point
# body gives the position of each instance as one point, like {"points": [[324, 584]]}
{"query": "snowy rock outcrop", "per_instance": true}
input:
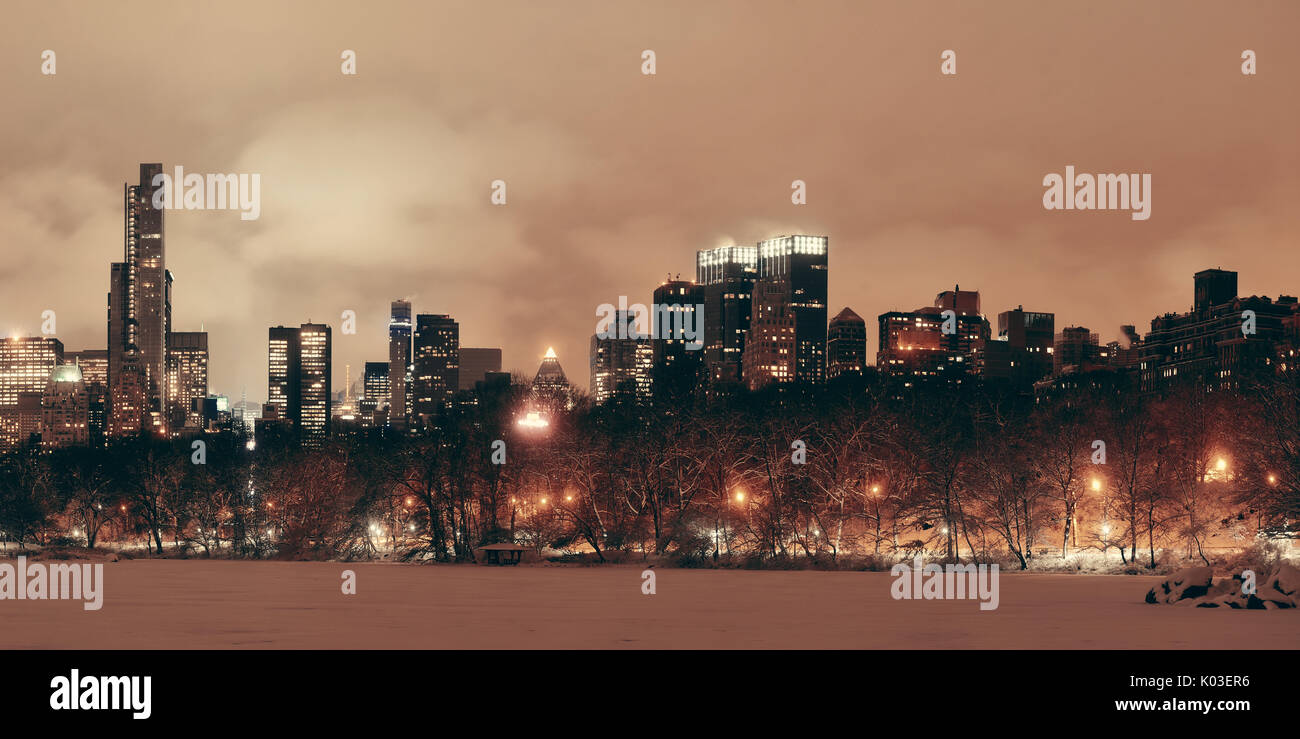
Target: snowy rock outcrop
{"points": [[1190, 582], [1280, 588]]}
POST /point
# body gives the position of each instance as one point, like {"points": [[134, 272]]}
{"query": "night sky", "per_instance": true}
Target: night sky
{"points": [[377, 186]]}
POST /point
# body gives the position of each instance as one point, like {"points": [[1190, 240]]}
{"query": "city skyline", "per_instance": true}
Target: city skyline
{"points": [[919, 181]]}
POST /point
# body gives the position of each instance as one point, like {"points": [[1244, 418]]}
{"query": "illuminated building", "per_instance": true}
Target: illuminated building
{"points": [[770, 348], [800, 264], [139, 315], [435, 374], [726, 275], [399, 363], [621, 366], [846, 344], [187, 378]]}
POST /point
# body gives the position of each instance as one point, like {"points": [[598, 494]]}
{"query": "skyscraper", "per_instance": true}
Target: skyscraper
{"points": [[314, 383], [550, 389], [24, 361], [298, 379], [25, 365], [727, 276], [375, 394], [800, 263], [678, 352], [435, 376], [846, 344], [621, 364], [187, 378], [399, 363], [284, 372], [140, 299], [770, 348]]}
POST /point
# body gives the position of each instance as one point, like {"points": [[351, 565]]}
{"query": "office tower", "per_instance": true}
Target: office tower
{"points": [[399, 363], [375, 394], [550, 388], [314, 361], [800, 263], [65, 409], [846, 344], [435, 376], [771, 348], [139, 312], [25, 365], [24, 361], [914, 344], [93, 364], [475, 363], [727, 276], [621, 364], [1213, 344], [187, 378], [284, 372], [677, 316]]}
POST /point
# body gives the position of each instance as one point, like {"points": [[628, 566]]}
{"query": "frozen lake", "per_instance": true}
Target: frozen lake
{"points": [[165, 604]]}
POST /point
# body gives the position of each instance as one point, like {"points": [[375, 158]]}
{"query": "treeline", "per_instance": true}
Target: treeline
{"points": [[856, 469]]}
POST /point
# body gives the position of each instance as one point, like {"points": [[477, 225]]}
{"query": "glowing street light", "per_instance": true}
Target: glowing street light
{"points": [[1105, 529], [1272, 479], [1096, 485], [740, 496]]}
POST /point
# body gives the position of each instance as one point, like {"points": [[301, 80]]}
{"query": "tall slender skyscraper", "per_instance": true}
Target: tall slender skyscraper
{"points": [[678, 354], [283, 371], [801, 263], [140, 299], [298, 379], [399, 362], [727, 276], [435, 376], [315, 359]]}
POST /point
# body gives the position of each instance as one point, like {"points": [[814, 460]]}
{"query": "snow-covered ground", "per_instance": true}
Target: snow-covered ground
{"points": [[168, 604]]}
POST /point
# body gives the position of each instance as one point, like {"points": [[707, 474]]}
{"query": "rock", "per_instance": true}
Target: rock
{"points": [[1190, 582], [113, 558], [1281, 587]]}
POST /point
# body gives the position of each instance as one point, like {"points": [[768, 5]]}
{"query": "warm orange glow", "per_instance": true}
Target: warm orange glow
{"points": [[740, 496], [1272, 479], [1096, 484], [875, 489], [568, 498], [1221, 465], [543, 501]]}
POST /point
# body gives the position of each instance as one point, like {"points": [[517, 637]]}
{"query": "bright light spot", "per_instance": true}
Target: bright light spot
{"points": [[251, 444], [543, 501], [1272, 479], [533, 420], [550, 353], [1096, 484], [945, 531], [568, 498], [875, 488], [1221, 465], [1105, 529], [740, 496]]}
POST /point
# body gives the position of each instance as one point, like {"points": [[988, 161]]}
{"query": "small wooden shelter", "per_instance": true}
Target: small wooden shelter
{"points": [[500, 554]]}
